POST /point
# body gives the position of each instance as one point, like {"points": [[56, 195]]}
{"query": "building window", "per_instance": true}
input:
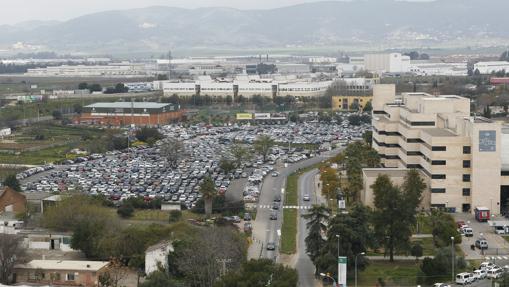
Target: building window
{"points": [[414, 141], [466, 150], [438, 176], [420, 124], [438, 190], [466, 192], [504, 173], [438, 162], [70, 277], [466, 163], [438, 148], [466, 178]]}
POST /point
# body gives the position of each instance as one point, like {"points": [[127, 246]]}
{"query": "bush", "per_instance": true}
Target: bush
{"points": [[125, 210], [175, 215], [145, 134]]}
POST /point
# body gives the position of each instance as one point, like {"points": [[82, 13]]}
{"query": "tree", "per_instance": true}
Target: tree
{"points": [[159, 278], [12, 182], [354, 120], [115, 273], [95, 88], [355, 236], [86, 237], [260, 273], [120, 88], [162, 77], [211, 244], [412, 188], [368, 137], [77, 108], [82, 86], [354, 106], [263, 144], [440, 265], [487, 112], [173, 150], [208, 190], [146, 134], [229, 100], [317, 218], [504, 56], [11, 253], [396, 210], [240, 154], [416, 251], [390, 227], [226, 165], [125, 210], [368, 107], [175, 215], [443, 228], [57, 115]]}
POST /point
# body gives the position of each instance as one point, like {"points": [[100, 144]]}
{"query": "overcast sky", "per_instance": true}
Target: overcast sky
{"points": [[15, 11]]}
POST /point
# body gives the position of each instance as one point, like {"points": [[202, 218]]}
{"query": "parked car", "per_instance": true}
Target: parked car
{"points": [[271, 246], [467, 231], [481, 243], [464, 278], [247, 216], [273, 215], [306, 197], [441, 285], [479, 274], [486, 265]]}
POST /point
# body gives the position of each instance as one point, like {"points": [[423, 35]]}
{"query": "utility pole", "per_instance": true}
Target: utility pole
{"points": [[223, 261]]}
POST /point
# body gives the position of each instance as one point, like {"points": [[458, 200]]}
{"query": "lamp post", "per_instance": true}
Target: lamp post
{"points": [[362, 253], [330, 277], [337, 236], [453, 258]]}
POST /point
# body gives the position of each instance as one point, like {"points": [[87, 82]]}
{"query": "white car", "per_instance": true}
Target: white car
{"points": [[480, 274], [441, 285], [495, 272], [486, 265], [464, 278]]}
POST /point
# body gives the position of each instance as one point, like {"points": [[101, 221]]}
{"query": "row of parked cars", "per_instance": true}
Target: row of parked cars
{"points": [[485, 270]]}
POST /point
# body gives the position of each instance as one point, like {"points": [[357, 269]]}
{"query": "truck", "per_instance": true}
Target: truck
{"points": [[482, 214]]}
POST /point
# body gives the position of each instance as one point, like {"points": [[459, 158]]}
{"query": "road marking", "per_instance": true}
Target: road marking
{"points": [[263, 206], [505, 257], [499, 258]]}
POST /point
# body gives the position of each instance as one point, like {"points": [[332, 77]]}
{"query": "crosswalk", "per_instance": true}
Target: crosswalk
{"points": [[497, 257], [285, 206]]}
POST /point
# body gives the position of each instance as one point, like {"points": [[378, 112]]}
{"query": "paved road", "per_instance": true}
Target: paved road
{"points": [[304, 264], [264, 229]]}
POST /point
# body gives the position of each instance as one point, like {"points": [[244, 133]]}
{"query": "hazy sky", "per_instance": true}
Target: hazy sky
{"points": [[15, 11]]}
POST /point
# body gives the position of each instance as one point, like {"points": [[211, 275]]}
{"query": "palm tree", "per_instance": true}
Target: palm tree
{"points": [[263, 144], [208, 190], [317, 217]]}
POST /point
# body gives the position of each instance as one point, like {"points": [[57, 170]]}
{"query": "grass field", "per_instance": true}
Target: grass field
{"points": [[398, 273], [57, 141]]}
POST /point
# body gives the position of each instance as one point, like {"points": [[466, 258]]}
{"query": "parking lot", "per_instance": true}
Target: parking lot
{"points": [[144, 171]]}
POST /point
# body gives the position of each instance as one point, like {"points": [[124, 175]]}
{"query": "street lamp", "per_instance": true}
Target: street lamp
{"points": [[362, 253], [330, 277], [453, 258], [337, 236]]}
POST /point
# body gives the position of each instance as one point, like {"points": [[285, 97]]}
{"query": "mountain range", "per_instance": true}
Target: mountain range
{"points": [[368, 24]]}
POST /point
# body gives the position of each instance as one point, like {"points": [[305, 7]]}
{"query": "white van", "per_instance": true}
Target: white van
{"points": [[467, 231], [479, 274], [494, 273], [500, 229], [486, 265], [464, 278]]}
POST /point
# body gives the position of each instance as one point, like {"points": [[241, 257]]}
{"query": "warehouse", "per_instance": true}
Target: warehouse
{"points": [[130, 113]]}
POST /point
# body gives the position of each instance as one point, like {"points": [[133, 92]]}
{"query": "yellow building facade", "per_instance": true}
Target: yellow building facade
{"points": [[344, 103]]}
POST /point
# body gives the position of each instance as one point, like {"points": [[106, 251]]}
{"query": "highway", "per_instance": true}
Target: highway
{"points": [[266, 230]]}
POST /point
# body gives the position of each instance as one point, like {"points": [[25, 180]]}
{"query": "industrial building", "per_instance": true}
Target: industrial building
{"points": [[387, 63], [464, 159], [245, 86], [491, 67], [427, 68], [124, 69], [130, 113]]}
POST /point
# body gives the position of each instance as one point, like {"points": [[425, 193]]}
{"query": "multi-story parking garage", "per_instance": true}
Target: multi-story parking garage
{"points": [[463, 158]]}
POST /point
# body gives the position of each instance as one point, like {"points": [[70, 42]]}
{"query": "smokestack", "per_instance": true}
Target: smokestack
{"points": [[267, 57]]}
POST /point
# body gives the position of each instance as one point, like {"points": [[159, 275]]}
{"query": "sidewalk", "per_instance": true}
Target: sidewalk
{"points": [[398, 258]]}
